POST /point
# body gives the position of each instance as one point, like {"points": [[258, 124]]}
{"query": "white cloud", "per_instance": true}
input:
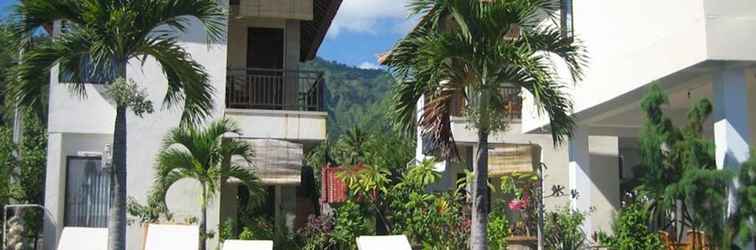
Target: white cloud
{"points": [[364, 16], [369, 65]]}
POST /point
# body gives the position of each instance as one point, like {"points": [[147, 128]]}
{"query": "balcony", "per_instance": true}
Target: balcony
{"points": [[512, 108], [277, 104], [511, 99], [272, 89]]}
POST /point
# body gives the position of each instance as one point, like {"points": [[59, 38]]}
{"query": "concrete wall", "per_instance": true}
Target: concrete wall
{"points": [[287, 125], [633, 43]]}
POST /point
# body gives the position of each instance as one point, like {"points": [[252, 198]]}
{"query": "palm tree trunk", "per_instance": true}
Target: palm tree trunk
{"points": [[479, 233], [117, 219], [203, 220]]}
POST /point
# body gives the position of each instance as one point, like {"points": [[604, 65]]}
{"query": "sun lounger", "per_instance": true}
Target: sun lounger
{"points": [[393, 242], [248, 245], [170, 237], [83, 238]]}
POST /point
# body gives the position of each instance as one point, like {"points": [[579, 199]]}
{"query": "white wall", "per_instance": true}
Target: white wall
{"points": [[633, 43], [145, 134]]}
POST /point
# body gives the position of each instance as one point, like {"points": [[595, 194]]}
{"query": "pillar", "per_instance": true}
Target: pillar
{"points": [[54, 191], [731, 129], [291, 65], [580, 175]]}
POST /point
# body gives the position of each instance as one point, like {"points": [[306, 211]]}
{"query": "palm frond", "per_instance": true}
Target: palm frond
{"points": [[33, 14], [163, 15], [551, 40], [28, 81], [256, 191], [187, 80]]}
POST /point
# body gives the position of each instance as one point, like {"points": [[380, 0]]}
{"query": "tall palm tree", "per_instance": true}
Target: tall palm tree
{"points": [[205, 155], [477, 48], [107, 35]]}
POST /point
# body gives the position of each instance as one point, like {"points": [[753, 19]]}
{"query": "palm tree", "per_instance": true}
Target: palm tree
{"points": [[477, 48], [205, 155], [108, 35]]}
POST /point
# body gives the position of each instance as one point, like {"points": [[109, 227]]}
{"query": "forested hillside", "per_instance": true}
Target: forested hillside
{"points": [[354, 96]]}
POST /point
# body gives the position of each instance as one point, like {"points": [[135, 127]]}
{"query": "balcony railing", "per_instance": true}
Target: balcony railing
{"points": [[512, 101], [273, 89]]}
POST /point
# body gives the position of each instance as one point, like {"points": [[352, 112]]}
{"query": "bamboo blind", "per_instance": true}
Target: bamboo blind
{"points": [[289, 9]]}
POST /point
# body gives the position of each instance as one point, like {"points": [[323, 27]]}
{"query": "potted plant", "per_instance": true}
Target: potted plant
{"points": [[521, 188]]}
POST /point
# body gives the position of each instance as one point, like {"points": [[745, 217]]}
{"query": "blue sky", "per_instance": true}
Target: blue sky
{"points": [[361, 30], [364, 28]]}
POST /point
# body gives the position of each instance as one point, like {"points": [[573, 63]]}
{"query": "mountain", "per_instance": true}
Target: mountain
{"points": [[354, 96]]}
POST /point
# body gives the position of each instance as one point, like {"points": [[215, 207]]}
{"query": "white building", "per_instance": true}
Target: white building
{"points": [[692, 48], [255, 71]]}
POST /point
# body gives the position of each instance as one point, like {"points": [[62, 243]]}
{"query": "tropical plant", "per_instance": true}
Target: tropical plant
{"points": [[523, 188], [318, 233], [498, 231], [205, 155], [493, 45], [563, 230], [350, 223], [741, 224], [108, 35], [630, 230], [678, 170]]}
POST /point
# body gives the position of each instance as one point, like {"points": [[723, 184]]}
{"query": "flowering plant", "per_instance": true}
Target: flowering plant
{"points": [[520, 187]]}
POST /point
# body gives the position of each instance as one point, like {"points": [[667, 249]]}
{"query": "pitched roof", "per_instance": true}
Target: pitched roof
{"points": [[314, 31]]}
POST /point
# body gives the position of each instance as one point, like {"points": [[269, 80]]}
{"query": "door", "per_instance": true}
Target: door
{"points": [[265, 62], [87, 193]]}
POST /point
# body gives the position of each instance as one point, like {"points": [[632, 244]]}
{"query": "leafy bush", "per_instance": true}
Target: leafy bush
{"points": [[498, 231], [563, 230], [317, 233], [631, 231], [351, 221]]}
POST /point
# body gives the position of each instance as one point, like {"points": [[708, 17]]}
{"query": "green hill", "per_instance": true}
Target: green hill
{"points": [[354, 96]]}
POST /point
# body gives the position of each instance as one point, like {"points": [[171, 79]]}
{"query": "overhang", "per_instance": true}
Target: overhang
{"points": [[314, 31]]}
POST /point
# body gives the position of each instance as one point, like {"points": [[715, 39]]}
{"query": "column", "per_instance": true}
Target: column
{"points": [[55, 190], [291, 65], [731, 129], [580, 175]]}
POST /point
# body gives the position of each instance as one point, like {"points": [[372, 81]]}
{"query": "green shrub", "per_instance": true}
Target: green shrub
{"points": [[498, 231], [563, 230], [351, 221], [631, 231]]}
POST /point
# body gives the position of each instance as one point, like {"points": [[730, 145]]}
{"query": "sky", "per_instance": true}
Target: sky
{"points": [[361, 30]]}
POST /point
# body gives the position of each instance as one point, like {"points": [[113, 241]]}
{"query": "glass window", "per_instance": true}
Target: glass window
{"points": [[87, 193]]}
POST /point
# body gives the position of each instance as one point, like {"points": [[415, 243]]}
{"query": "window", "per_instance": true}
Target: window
{"points": [[567, 24], [87, 193]]}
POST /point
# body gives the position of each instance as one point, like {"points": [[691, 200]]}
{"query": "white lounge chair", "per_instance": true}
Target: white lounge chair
{"points": [[83, 238], [248, 245], [392, 242], [170, 237]]}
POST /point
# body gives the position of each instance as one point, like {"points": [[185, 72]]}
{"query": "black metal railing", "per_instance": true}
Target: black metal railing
{"points": [[274, 89], [512, 100]]}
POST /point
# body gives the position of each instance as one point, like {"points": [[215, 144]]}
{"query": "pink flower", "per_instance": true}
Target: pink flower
{"points": [[516, 205]]}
